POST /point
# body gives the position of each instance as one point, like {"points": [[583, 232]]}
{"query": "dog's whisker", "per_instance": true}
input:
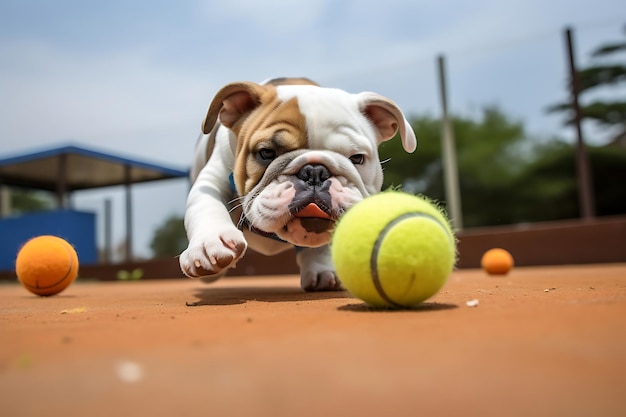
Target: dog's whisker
{"points": [[235, 207], [236, 199]]}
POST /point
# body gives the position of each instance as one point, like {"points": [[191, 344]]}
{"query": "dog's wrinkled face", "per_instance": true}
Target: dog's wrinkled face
{"points": [[305, 154]]}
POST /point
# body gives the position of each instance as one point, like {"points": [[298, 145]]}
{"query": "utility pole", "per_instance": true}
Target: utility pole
{"points": [[583, 172], [448, 146]]}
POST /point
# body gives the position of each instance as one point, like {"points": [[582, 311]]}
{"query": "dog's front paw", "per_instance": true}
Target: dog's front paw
{"points": [[213, 256], [317, 272], [320, 281]]}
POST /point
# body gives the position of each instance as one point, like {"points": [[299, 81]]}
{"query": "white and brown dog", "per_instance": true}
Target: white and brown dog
{"points": [[277, 165]]}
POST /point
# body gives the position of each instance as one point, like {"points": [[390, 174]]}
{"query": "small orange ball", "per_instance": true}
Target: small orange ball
{"points": [[46, 265], [497, 261]]}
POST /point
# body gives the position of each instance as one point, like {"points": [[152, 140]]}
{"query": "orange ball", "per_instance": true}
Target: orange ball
{"points": [[46, 265], [497, 261]]}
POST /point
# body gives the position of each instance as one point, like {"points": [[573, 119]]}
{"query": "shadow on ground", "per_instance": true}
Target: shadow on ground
{"points": [[241, 295], [426, 306]]}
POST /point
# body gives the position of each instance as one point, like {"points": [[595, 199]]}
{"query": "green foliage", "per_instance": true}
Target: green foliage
{"points": [[505, 176], [609, 176], [608, 113], [609, 49], [417, 172], [548, 188], [603, 112], [490, 153], [135, 274], [169, 239], [26, 201], [600, 75]]}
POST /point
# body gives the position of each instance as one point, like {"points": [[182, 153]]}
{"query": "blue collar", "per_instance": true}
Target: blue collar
{"points": [[231, 180]]}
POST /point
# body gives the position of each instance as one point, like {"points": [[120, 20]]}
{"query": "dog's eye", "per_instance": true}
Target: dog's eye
{"points": [[357, 159], [267, 154]]}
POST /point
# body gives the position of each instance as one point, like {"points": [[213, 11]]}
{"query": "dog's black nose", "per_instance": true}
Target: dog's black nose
{"points": [[314, 174]]}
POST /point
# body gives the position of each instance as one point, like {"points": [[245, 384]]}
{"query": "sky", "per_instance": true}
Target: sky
{"points": [[136, 77]]}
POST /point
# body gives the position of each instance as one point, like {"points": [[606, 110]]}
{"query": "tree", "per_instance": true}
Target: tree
{"points": [[551, 177], [26, 201], [491, 151], [169, 239], [605, 72], [506, 177]]}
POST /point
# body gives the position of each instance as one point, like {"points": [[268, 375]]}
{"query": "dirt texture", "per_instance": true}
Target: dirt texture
{"points": [[542, 341]]}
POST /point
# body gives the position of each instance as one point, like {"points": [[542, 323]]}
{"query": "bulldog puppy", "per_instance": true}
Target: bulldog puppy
{"points": [[277, 165]]}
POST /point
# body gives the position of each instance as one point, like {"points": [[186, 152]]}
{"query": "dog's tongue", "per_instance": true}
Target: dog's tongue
{"points": [[313, 210]]}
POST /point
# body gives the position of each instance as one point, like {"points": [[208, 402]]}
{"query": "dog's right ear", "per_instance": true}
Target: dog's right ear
{"points": [[231, 103]]}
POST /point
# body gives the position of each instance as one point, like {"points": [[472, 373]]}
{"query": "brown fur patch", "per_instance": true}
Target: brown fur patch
{"points": [[275, 125]]}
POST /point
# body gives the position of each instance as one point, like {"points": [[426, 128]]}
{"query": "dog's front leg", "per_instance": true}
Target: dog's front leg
{"points": [[317, 272], [215, 243]]}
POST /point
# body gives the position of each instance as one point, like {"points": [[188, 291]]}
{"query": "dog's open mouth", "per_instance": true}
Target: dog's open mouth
{"points": [[314, 219], [312, 210]]}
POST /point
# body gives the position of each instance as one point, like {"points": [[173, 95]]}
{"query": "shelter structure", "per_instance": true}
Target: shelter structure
{"points": [[65, 169]]}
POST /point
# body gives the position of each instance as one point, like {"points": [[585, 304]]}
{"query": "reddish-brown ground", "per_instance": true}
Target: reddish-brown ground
{"points": [[540, 342]]}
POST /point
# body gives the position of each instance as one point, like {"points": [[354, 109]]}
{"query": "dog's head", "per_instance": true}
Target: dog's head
{"points": [[305, 154]]}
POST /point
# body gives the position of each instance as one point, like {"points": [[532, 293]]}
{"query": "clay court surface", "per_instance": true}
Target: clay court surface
{"points": [[542, 341]]}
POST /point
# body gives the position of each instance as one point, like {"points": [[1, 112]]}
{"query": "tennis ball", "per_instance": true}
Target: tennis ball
{"points": [[497, 261], [46, 265], [393, 250]]}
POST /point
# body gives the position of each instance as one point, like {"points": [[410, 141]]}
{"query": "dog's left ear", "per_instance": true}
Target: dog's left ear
{"points": [[231, 103], [387, 118]]}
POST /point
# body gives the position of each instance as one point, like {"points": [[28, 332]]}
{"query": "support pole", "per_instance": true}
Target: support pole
{"points": [[448, 146], [61, 182], [129, 214], [5, 201], [108, 241], [583, 172]]}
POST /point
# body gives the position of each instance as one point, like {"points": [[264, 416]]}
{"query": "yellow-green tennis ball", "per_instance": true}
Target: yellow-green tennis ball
{"points": [[393, 250], [46, 265]]}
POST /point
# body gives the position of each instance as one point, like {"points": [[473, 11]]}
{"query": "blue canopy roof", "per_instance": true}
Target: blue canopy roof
{"points": [[71, 167]]}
